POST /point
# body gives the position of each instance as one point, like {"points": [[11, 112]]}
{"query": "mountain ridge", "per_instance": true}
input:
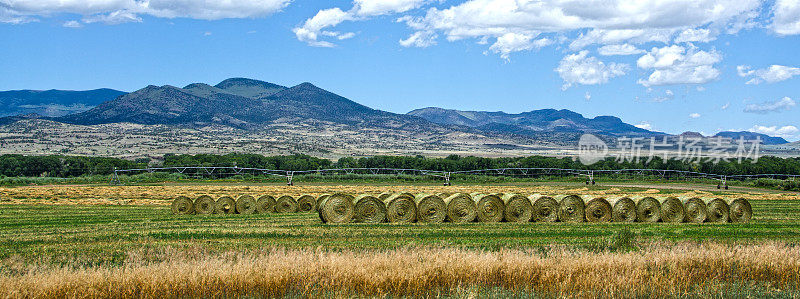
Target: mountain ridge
{"points": [[533, 122]]}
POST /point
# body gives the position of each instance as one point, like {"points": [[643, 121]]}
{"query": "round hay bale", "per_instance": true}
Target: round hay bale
{"points": [[718, 210], [306, 203], [696, 211], [320, 199], [740, 210], [204, 204], [460, 208], [182, 206], [384, 195], [369, 209], [401, 208], [544, 208], [518, 208], [490, 207], [623, 209], [648, 209], [430, 208], [444, 195], [225, 205], [672, 210], [265, 204], [286, 204], [597, 209], [571, 208], [246, 204], [336, 208]]}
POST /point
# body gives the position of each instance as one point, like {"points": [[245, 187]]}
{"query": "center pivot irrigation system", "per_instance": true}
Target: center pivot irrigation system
{"points": [[220, 172]]}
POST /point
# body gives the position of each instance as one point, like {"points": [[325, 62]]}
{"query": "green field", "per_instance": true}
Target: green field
{"points": [[99, 233]]}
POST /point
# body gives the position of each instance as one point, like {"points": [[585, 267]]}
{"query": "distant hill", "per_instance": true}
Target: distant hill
{"points": [[752, 135], [53, 103], [241, 103], [533, 123]]}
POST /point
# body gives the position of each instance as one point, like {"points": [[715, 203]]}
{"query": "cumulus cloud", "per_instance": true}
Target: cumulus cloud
{"points": [[775, 73], [695, 35], [579, 68], [788, 132], [613, 22], [786, 17], [694, 115], [312, 29], [623, 49], [726, 106], [514, 42], [678, 65], [120, 11], [786, 103]]}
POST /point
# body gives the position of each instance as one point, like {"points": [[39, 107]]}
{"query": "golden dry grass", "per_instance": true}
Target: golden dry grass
{"points": [[656, 270], [161, 195]]}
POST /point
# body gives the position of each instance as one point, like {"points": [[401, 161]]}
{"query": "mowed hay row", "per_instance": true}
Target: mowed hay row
{"points": [[403, 207], [666, 271]]}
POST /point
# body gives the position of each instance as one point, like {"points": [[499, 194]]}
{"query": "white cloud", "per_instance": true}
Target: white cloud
{"points": [[786, 103], [786, 19], [677, 65], [580, 69], [645, 125], [312, 28], [694, 115], [612, 22], [114, 18], [587, 96], [382, 7], [514, 42], [311, 31], [775, 73], [116, 11], [788, 132], [72, 24], [695, 35], [419, 39], [668, 96], [615, 36], [623, 49], [726, 106]]}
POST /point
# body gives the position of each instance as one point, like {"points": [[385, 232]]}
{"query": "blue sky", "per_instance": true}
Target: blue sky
{"points": [[672, 66]]}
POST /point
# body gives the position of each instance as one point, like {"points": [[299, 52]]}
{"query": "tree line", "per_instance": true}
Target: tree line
{"points": [[72, 166]]}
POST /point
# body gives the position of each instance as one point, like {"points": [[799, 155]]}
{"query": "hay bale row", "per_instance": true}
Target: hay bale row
{"points": [[478, 207], [244, 204]]}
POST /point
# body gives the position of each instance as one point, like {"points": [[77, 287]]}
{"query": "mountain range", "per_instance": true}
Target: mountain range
{"points": [[53, 103], [258, 106]]}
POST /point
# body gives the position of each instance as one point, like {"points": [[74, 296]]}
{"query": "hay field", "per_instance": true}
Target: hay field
{"points": [[104, 241], [163, 194], [657, 271]]}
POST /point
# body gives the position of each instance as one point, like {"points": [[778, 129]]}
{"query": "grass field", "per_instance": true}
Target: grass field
{"points": [[90, 235]]}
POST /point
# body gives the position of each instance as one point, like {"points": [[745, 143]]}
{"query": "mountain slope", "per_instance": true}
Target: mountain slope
{"points": [[533, 122], [53, 103], [766, 139], [242, 103]]}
